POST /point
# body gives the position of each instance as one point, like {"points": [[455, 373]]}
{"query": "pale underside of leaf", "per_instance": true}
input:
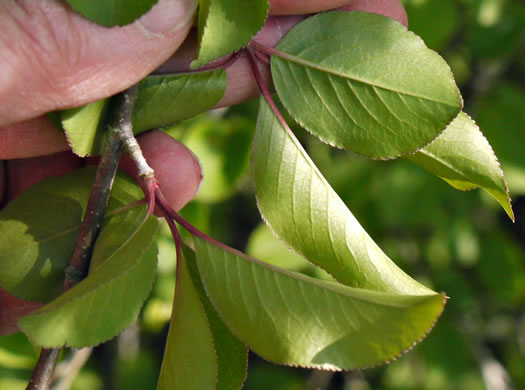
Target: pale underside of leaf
{"points": [[462, 156], [293, 319], [363, 82], [103, 304], [302, 209]]}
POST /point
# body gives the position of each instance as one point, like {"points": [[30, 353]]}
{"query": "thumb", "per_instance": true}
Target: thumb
{"points": [[53, 58]]}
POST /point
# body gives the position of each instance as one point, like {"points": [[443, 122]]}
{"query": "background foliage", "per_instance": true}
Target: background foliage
{"points": [[460, 243]]}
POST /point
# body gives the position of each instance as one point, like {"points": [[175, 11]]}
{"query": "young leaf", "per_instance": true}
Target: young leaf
{"points": [[226, 26], [304, 211], [163, 100], [189, 360], [462, 156], [292, 319], [363, 82], [111, 13], [40, 228], [103, 304], [82, 127]]}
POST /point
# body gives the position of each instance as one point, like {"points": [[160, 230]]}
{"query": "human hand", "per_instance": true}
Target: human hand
{"points": [[55, 59]]}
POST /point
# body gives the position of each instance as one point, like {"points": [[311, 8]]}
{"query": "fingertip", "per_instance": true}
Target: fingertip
{"points": [[391, 8], [177, 169], [24, 173]]}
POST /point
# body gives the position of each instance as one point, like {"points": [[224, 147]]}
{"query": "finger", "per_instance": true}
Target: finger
{"points": [[11, 309], [176, 168], [391, 8], [52, 58], [23, 173], [39, 136], [34, 137], [294, 7], [2, 182]]}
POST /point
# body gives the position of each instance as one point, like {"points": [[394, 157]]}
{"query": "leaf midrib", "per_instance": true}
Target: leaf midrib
{"points": [[309, 64], [116, 211]]}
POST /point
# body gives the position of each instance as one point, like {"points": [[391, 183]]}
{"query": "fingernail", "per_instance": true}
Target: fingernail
{"points": [[168, 16]]}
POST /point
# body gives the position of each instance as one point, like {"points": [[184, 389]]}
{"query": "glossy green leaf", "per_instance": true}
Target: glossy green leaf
{"points": [[302, 209], [103, 304], [111, 13], [83, 127], [164, 100], [40, 228], [190, 361], [232, 354], [462, 156], [226, 26], [363, 82], [292, 319]]}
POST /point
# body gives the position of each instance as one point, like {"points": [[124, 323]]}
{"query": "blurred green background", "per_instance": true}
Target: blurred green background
{"points": [[458, 242]]}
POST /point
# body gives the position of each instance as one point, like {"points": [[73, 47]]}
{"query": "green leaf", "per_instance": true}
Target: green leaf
{"points": [[82, 126], [292, 319], [226, 26], [302, 209], [232, 354], [164, 100], [363, 82], [103, 304], [189, 360], [161, 101], [462, 156], [40, 228], [111, 13]]}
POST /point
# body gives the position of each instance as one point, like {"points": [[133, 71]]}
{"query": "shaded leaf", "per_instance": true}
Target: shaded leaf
{"points": [[40, 228], [302, 209], [189, 360], [164, 100], [226, 26], [292, 319], [111, 13], [363, 82], [232, 354], [103, 304], [462, 156], [83, 127]]}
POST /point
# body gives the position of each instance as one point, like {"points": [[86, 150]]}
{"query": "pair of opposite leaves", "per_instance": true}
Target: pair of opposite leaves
{"points": [[377, 312]]}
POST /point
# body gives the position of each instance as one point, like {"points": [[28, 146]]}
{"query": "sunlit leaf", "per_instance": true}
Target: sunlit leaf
{"points": [[103, 304], [83, 127], [226, 26], [112, 12], [363, 82], [292, 319], [302, 209], [463, 158]]}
